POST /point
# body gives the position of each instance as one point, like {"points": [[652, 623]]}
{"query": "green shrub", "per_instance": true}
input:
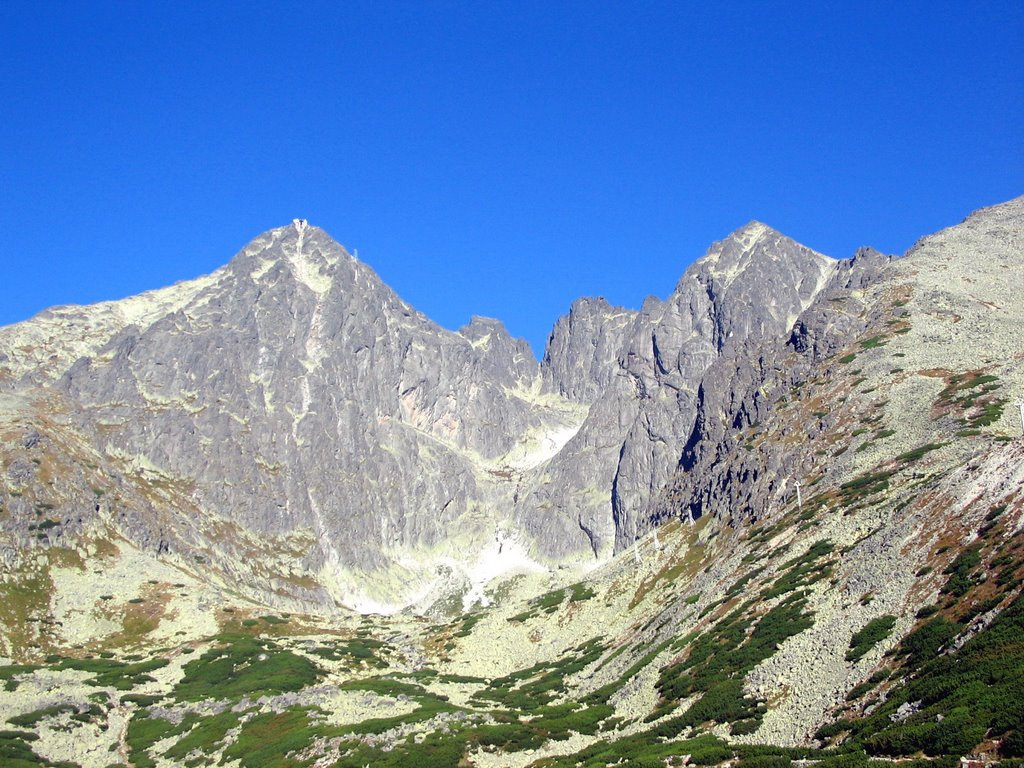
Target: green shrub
{"points": [[960, 572], [244, 666], [872, 633], [917, 453], [925, 641], [143, 732], [116, 674], [765, 761], [202, 733]]}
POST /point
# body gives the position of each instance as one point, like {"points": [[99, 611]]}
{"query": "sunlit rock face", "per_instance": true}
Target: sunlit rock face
{"points": [[752, 285], [291, 422]]}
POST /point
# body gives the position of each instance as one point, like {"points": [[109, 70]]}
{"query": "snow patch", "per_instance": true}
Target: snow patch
{"points": [[505, 555], [538, 446]]}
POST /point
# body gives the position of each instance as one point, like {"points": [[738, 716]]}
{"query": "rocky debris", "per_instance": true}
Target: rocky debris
{"points": [[20, 473]]}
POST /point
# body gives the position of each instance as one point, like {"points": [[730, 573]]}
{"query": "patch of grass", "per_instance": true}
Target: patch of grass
{"points": [[32, 719], [359, 650], [869, 636], [24, 596], [117, 674], [858, 691], [719, 659], [961, 697], [244, 666], [204, 734], [430, 705], [550, 602], [864, 485], [143, 732], [738, 586], [919, 452], [972, 395], [468, 623], [9, 672], [540, 685], [16, 752], [272, 739], [802, 571], [926, 640], [961, 572], [580, 592]]}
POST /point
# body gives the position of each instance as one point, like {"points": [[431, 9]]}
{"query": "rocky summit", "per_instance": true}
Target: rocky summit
{"points": [[275, 516]]}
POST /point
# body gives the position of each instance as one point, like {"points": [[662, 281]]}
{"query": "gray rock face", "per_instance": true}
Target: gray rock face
{"points": [[751, 285], [822, 330], [583, 348], [298, 393], [739, 390], [500, 357], [290, 421], [945, 306]]}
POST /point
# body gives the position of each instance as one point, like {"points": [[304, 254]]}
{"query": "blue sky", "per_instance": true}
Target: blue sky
{"points": [[490, 158]]}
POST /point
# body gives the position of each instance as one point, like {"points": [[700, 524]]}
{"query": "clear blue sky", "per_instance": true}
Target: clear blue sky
{"points": [[496, 158]]}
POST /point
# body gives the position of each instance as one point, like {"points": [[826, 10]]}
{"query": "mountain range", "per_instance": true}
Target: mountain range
{"points": [[294, 399], [757, 512]]}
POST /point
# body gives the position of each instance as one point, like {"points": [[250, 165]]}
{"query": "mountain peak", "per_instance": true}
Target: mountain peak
{"points": [[754, 233], [756, 243], [305, 252], [754, 229]]}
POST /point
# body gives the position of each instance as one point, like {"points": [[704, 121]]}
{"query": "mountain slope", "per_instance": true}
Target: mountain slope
{"points": [[872, 611]]}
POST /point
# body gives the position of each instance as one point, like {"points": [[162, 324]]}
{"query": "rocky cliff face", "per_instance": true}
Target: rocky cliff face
{"points": [[581, 358], [936, 310], [294, 402], [295, 399], [753, 285], [297, 394], [292, 424]]}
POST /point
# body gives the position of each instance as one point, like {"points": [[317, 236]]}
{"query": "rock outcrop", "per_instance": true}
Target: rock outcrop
{"points": [[752, 285]]}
